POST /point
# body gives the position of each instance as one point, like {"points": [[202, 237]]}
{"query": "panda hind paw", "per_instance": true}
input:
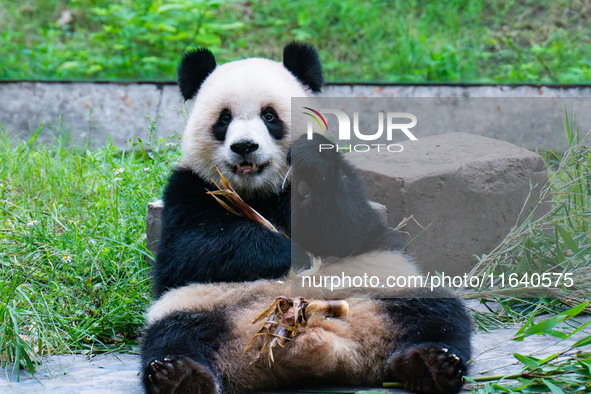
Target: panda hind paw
{"points": [[177, 374], [427, 368]]}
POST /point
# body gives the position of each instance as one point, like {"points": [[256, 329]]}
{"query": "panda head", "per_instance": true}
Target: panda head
{"points": [[240, 121]]}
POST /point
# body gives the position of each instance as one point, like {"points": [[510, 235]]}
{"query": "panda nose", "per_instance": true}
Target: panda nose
{"points": [[244, 147]]}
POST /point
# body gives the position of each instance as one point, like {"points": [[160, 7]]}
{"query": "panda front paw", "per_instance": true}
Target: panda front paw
{"points": [[178, 374], [427, 368]]}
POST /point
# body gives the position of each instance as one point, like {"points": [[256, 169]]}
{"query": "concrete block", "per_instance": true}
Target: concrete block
{"points": [[468, 190]]}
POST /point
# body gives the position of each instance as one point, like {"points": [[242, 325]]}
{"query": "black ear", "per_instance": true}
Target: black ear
{"points": [[195, 66], [303, 62]]}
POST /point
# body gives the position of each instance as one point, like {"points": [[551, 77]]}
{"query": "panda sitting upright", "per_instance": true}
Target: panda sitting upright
{"points": [[216, 271]]}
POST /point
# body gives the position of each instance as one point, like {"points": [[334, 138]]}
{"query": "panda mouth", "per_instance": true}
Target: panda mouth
{"points": [[246, 168]]}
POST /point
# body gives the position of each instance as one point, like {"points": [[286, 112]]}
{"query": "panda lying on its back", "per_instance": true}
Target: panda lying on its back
{"points": [[214, 270]]}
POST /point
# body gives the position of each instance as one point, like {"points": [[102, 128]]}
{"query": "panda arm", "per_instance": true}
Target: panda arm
{"points": [[202, 242], [333, 215]]}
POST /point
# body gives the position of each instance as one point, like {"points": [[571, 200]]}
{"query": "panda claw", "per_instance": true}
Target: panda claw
{"points": [[427, 368], [179, 375], [163, 371]]}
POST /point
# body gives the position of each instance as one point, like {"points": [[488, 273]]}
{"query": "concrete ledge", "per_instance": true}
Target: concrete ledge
{"points": [[95, 112]]}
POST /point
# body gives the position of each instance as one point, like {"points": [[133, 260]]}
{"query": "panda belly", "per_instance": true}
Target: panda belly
{"points": [[352, 349]]}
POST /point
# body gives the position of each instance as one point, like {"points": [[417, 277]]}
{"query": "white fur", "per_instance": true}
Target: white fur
{"points": [[244, 87]]}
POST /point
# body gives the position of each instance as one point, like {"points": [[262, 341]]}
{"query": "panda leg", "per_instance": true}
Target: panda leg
{"points": [[177, 353], [433, 349], [427, 368]]}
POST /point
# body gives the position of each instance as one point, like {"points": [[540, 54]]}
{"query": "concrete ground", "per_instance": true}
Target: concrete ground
{"points": [[118, 373]]}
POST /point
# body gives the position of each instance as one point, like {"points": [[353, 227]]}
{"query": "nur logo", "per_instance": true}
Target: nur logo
{"points": [[394, 121], [316, 117]]}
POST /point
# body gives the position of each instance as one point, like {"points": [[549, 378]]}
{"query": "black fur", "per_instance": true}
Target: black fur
{"points": [[276, 126], [195, 66], [334, 217], [431, 320], [303, 62], [220, 128], [202, 242], [181, 334], [434, 346]]}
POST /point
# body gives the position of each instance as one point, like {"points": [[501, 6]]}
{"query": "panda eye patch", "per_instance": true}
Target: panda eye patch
{"points": [[273, 122], [225, 117], [221, 126]]}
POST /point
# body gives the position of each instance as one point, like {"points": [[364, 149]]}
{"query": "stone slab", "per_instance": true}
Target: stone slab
{"points": [[97, 112], [468, 190], [105, 373]]}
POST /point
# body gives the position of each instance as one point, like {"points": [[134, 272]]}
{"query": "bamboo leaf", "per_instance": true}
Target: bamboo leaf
{"points": [[582, 326], [546, 326], [528, 361], [586, 364], [239, 207], [223, 204], [582, 342], [549, 358], [517, 336], [568, 241], [555, 389]]}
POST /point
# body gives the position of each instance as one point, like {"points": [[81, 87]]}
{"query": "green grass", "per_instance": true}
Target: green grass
{"points": [[74, 274], [542, 41]]}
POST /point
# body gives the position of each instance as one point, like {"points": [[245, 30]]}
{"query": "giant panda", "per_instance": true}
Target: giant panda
{"points": [[216, 271]]}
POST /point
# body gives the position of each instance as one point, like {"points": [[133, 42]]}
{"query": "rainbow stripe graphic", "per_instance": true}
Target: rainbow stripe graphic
{"points": [[318, 115]]}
